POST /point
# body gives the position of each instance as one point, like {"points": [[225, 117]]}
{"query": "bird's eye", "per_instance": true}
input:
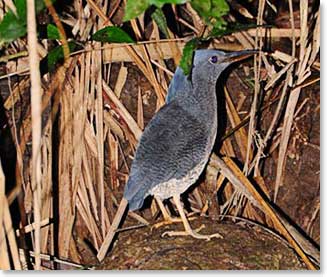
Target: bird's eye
{"points": [[213, 59]]}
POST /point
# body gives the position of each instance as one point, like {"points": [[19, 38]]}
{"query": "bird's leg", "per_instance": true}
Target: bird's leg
{"points": [[188, 230], [167, 217], [163, 210]]}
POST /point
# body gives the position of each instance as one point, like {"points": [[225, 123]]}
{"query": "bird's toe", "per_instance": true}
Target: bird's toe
{"points": [[192, 233]]}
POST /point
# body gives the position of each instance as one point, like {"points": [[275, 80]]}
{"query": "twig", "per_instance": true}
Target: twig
{"points": [[112, 230], [60, 27], [13, 56], [31, 227]]}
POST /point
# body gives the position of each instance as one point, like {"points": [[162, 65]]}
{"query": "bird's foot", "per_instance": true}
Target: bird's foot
{"points": [[168, 221], [193, 233]]}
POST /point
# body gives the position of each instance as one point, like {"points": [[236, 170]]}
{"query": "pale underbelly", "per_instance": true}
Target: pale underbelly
{"points": [[177, 186]]}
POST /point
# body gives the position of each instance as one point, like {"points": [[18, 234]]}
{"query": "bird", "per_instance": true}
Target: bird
{"points": [[177, 142]]}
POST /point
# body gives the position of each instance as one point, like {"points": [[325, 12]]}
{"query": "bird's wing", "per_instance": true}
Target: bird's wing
{"points": [[179, 85], [172, 144]]}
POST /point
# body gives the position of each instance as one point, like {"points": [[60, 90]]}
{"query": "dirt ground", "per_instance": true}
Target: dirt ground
{"points": [[242, 247]]}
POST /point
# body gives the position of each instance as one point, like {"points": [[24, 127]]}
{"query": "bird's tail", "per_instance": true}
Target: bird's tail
{"points": [[112, 230]]}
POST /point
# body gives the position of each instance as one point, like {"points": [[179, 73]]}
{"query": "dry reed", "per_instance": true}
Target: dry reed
{"points": [[79, 167]]}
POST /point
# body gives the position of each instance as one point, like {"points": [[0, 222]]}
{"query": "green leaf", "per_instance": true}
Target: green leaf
{"points": [[112, 34], [159, 17], [202, 7], [208, 9], [21, 9], [56, 55], [160, 3], [52, 32], [219, 8], [219, 28], [134, 8], [187, 58], [11, 28]]}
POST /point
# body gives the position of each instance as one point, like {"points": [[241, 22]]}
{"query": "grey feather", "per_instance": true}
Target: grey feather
{"points": [[178, 85], [177, 142], [165, 151]]}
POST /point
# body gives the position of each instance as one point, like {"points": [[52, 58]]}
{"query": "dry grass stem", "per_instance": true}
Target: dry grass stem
{"points": [[257, 66], [36, 96]]}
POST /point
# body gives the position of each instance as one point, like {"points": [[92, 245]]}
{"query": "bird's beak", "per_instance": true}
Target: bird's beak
{"points": [[238, 56]]}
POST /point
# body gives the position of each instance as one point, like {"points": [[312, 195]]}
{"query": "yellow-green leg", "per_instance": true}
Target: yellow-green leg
{"points": [[167, 217], [188, 230]]}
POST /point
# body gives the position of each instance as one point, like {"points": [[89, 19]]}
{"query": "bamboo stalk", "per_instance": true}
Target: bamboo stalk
{"points": [[11, 236], [36, 96]]}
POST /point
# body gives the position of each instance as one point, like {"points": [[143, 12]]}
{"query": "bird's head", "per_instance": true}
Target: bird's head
{"points": [[210, 63]]}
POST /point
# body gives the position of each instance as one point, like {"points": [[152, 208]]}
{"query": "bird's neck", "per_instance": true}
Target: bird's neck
{"points": [[205, 93], [202, 102]]}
